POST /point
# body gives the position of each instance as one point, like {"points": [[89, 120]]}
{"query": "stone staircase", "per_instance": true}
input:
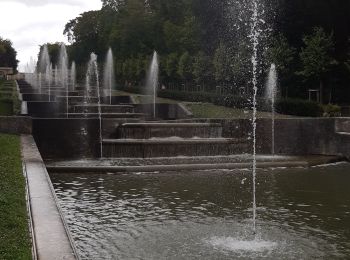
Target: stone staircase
{"points": [[156, 139]]}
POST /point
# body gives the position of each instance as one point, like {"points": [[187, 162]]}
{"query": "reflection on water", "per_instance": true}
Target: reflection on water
{"points": [[302, 214]]}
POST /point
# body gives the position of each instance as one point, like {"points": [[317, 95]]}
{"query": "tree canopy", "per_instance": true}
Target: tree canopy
{"points": [[7, 54], [206, 41]]}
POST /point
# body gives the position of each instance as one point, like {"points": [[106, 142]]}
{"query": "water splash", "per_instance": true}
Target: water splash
{"points": [[236, 245], [270, 95], [152, 80], [92, 75], [108, 77]]}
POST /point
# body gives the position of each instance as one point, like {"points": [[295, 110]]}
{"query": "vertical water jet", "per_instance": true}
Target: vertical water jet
{"points": [[108, 77], [270, 95]]}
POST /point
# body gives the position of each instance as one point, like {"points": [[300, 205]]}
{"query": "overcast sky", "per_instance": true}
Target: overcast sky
{"points": [[30, 23]]}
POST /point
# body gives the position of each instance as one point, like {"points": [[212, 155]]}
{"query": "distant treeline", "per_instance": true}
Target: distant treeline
{"points": [[205, 42]]}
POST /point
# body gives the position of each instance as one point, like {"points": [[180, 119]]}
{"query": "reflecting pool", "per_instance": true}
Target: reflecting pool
{"points": [[302, 214]]}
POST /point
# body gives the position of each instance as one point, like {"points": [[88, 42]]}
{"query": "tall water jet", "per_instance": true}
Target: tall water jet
{"points": [[270, 95], [44, 61], [152, 80], [93, 75], [48, 75], [63, 73], [254, 36], [73, 76], [56, 75], [108, 76]]}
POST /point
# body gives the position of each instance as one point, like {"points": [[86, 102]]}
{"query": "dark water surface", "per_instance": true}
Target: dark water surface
{"points": [[302, 214]]}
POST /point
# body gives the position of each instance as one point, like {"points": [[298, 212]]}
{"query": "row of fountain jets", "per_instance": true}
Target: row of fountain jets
{"points": [[44, 76]]}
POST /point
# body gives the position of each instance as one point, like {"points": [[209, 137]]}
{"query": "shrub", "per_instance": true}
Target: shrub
{"points": [[6, 107], [331, 110], [299, 107]]}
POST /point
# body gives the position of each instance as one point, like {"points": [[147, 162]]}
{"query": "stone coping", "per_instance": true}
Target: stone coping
{"points": [[174, 141], [170, 125], [50, 233]]}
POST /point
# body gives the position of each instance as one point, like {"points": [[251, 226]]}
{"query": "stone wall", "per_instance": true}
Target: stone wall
{"points": [[294, 136]]}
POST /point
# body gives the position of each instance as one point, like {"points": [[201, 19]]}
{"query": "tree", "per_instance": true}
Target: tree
{"points": [[171, 65], [316, 57], [7, 54], [202, 67], [221, 64], [185, 66]]}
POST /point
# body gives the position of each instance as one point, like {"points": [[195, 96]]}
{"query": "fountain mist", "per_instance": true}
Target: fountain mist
{"points": [[73, 75], [63, 73], [270, 95], [108, 77], [92, 74], [152, 80]]}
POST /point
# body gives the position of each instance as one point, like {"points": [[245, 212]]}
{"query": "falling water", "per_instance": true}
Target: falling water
{"points": [[92, 74], [152, 80], [108, 77], [255, 41], [63, 73], [73, 76], [270, 95]]}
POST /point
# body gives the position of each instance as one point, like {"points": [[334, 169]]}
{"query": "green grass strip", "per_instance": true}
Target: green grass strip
{"points": [[14, 234]]}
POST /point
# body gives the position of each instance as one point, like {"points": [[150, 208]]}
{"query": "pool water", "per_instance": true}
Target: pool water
{"points": [[302, 214]]}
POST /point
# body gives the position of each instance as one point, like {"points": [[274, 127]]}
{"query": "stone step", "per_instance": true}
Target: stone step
{"points": [[77, 99], [106, 115], [93, 108], [153, 130], [170, 147]]}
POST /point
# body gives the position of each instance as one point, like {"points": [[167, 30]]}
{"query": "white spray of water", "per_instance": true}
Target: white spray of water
{"points": [[270, 94], [152, 80], [255, 40], [63, 74], [73, 76], [108, 77], [92, 74]]}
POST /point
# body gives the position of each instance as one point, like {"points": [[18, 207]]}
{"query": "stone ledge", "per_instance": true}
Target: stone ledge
{"points": [[51, 236]]}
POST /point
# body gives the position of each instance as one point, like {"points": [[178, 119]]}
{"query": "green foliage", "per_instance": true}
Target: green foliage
{"points": [[185, 66], [14, 235], [299, 107], [222, 64], [202, 67], [331, 110], [281, 54], [316, 56], [7, 54]]}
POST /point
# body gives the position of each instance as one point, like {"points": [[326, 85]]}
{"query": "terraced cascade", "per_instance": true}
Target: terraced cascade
{"points": [[149, 140]]}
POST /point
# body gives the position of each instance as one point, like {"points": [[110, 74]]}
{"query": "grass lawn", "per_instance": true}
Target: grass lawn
{"points": [[207, 110], [14, 232], [9, 103], [203, 110]]}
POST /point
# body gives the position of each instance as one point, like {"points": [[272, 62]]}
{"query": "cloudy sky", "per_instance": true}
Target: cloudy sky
{"points": [[30, 23]]}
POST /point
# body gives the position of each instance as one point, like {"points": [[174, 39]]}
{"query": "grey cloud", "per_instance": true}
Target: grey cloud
{"points": [[47, 2]]}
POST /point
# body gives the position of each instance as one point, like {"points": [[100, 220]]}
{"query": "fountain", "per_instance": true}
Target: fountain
{"points": [[270, 95], [48, 75], [93, 75], [152, 80], [73, 76], [108, 77], [63, 74]]}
